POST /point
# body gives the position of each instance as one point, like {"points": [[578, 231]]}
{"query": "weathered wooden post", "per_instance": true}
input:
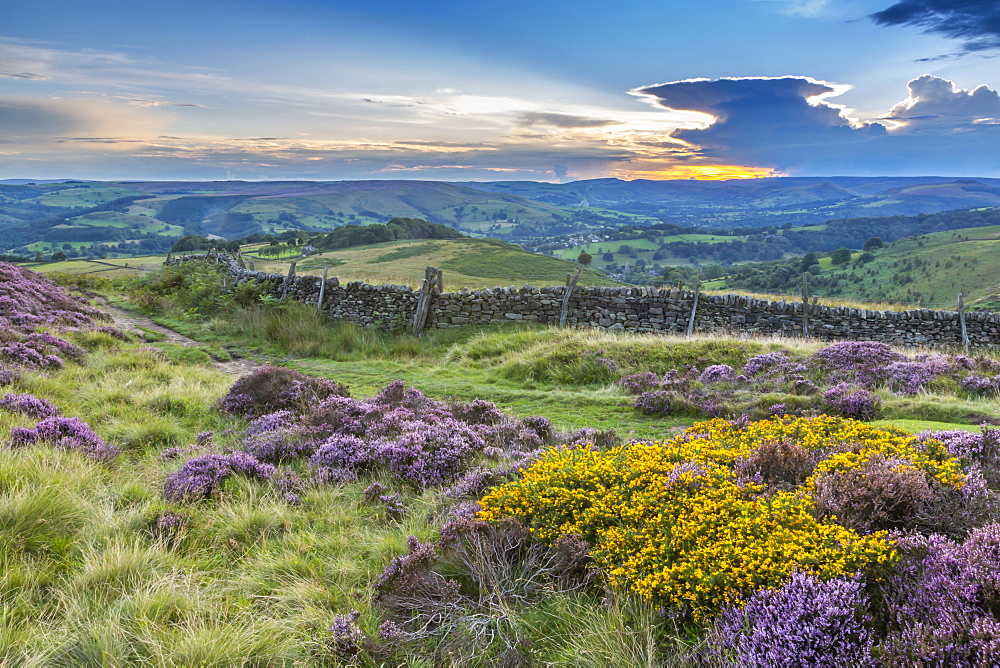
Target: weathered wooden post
{"points": [[322, 290], [288, 281], [440, 281], [427, 289], [694, 310], [570, 284], [961, 322], [805, 304]]}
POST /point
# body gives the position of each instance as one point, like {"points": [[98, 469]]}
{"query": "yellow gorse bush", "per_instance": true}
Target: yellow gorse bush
{"points": [[671, 521]]}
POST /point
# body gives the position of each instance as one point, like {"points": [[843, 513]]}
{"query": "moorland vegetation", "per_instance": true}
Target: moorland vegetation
{"points": [[501, 496]]}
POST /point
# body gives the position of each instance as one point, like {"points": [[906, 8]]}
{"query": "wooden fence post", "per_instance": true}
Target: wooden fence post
{"points": [[570, 284], [694, 310], [288, 281], [424, 300], [961, 322], [322, 290], [805, 304]]}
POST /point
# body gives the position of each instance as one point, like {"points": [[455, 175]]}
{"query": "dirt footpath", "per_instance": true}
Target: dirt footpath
{"points": [[131, 322]]}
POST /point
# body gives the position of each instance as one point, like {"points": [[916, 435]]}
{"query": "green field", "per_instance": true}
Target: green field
{"points": [[931, 269]]}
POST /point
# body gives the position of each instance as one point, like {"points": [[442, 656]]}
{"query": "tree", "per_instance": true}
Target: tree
{"points": [[807, 261], [872, 244], [585, 258], [58, 256], [840, 256]]}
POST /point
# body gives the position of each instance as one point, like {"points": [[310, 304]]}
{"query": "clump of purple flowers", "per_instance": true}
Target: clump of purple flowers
{"points": [[67, 433], [765, 362], [346, 637], [717, 373], [975, 384], [852, 402], [271, 388], [30, 405], [639, 382], [201, 476], [982, 447], [807, 622], [939, 598], [863, 361], [658, 402]]}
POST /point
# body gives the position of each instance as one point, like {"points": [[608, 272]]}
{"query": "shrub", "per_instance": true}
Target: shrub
{"points": [[881, 494], [30, 405], [807, 622], [673, 522], [863, 361], [639, 382], [852, 402], [271, 388], [658, 402], [198, 478], [67, 433], [717, 373]]}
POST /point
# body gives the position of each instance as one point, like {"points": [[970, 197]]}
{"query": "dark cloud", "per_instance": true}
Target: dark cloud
{"points": [[24, 75], [532, 118], [778, 123], [784, 124], [976, 22]]}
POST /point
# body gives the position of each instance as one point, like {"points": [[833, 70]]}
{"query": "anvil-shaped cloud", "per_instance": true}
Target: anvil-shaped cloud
{"points": [[788, 124]]}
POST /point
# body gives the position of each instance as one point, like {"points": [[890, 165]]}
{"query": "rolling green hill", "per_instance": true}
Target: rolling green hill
{"points": [[929, 270]]}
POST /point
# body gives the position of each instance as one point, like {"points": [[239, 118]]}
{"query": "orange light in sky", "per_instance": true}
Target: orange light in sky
{"points": [[666, 171]]}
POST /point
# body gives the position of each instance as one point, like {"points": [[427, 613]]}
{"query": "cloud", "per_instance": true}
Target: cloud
{"points": [[531, 118], [24, 75], [780, 122], [935, 103], [809, 8], [36, 121], [790, 125], [976, 22]]}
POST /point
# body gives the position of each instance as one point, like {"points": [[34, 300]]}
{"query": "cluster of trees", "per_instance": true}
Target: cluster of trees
{"points": [[397, 228]]}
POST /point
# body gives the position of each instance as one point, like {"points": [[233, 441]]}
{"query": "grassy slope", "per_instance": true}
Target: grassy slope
{"points": [[87, 579], [467, 263], [966, 260]]}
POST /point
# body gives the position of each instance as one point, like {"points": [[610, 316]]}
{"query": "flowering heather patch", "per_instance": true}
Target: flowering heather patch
{"points": [[658, 402], [639, 382], [8, 376], [852, 402], [270, 388], [346, 637], [66, 433], [201, 476], [807, 622], [909, 377], [765, 362], [863, 361], [982, 448], [975, 384], [29, 300], [45, 342], [30, 405], [717, 373], [941, 600]]}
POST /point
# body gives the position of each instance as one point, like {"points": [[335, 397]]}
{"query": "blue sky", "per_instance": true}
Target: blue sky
{"points": [[498, 90]]}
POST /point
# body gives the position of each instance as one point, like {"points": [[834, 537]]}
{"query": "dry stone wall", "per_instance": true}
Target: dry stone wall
{"points": [[633, 309]]}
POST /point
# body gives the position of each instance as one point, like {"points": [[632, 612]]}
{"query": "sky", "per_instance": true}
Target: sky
{"points": [[498, 89]]}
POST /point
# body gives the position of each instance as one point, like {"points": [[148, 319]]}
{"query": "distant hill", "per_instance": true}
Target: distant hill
{"points": [[763, 202], [232, 209], [928, 269], [44, 217]]}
